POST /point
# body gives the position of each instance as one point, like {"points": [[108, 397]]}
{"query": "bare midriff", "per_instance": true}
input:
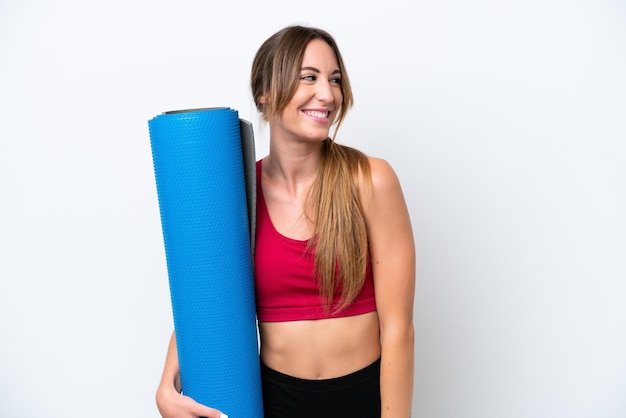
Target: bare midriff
{"points": [[323, 348]]}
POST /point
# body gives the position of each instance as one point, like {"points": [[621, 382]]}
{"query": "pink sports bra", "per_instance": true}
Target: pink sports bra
{"points": [[286, 289]]}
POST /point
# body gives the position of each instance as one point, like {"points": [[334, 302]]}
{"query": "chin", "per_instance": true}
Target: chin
{"points": [[317, 136]]}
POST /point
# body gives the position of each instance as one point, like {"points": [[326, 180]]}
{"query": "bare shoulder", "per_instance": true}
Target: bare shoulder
{"points": [[384, 183], [382, 173]]}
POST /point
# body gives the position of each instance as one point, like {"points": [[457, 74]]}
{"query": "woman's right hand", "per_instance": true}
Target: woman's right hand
{"points": [[172, 404], [169, 399]]}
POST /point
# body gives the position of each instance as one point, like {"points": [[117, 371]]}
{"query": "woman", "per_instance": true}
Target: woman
{"points": [[334, 258]]}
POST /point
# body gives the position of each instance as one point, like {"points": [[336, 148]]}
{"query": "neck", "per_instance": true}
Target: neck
{"points": [[293, 167]]}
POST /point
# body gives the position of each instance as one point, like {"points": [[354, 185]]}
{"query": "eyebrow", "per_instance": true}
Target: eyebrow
{"points": [[337, 71]]}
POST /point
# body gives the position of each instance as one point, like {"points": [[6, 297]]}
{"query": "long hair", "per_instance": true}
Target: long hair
{"points": [[340, 234]]}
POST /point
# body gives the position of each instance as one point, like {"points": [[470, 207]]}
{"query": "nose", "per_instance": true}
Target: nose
{"points": [[324, 91]]}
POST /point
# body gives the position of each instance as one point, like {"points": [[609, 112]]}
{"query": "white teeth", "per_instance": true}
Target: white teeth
{"points": [[317, 114]]}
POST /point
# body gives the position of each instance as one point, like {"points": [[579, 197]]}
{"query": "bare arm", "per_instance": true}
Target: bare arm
{"points": [[170, 402], [393, 261]]}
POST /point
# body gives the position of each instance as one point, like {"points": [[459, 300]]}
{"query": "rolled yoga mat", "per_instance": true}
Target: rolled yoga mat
{"points": [[201, 162]]}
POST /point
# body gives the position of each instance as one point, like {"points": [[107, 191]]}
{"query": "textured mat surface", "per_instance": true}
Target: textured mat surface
{"points": [[199, 170]]}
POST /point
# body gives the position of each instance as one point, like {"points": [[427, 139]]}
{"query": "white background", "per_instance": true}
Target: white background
{"points": [[505, 121]]}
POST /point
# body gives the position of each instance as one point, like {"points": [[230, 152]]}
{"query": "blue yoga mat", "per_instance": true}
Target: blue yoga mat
{"points": [[203, 197]]}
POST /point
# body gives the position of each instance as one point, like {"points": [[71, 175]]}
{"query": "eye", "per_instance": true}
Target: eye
{"points": [[309, 77], [336, 80]]}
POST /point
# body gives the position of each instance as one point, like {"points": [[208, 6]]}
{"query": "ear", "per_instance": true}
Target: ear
{"points": [[264, 99]]}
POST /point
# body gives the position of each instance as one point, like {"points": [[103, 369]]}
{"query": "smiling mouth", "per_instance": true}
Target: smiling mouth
{"points": [[317, 114]]}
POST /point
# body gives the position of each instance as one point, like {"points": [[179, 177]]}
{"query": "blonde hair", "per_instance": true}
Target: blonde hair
{"points": [[341, 245], [340, 234]]}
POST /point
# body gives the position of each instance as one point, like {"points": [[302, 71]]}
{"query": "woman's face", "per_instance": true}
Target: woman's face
{"points": [[314, 106]]}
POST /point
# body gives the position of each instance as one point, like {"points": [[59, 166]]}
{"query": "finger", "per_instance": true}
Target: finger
{"points": [[205, 411]]}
